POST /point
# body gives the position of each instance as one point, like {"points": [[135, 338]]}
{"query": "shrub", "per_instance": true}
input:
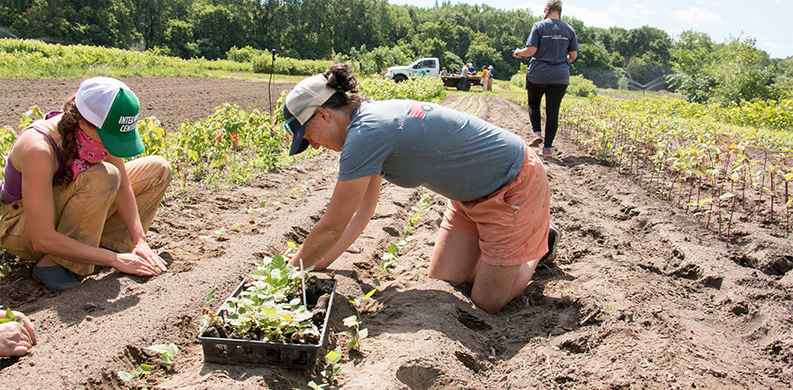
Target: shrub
{"points": [[579, 86], [290, 66], [245, 54]]}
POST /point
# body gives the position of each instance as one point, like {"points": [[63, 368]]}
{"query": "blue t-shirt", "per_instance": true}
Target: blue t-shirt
{"points": [[553, 39], [414, 144]]}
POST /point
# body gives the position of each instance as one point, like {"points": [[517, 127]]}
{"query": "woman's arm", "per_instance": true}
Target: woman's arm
{"points": [[38, 162], [526, 52], [34, 158], [127, 209], [357, 224], [345, 202]]}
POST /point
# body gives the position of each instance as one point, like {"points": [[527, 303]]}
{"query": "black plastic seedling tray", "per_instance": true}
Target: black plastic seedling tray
{"points": [[236, 351]]}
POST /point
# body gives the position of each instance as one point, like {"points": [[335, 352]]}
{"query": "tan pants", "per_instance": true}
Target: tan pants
{"points": [[88, 199]]}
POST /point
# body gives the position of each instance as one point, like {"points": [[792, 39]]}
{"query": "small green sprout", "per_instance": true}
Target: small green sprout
{"points": [[10, 317], [354, 322], [136, 374], [220, 234], [333, 358], [167, 352]]}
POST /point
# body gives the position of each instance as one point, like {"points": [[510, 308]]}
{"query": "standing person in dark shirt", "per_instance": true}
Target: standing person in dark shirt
{"points": [[552, 44]]}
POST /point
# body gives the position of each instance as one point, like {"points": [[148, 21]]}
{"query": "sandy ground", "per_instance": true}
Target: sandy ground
{"points": [[642, 296]]}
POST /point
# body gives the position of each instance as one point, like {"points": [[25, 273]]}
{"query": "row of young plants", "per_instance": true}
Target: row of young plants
{"points": [[711, 169], [35, 59], [770, 114]]}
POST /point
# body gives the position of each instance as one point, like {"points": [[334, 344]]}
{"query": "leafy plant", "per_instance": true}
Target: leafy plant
{"points": [[354, 321], [167, 352], [269, 308], [333, 357], [136, 374], [10, 317], [389, 258]]}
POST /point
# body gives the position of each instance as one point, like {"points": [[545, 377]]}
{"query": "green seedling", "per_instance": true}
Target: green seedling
{"points": [[332, 372], [136, 374], [236, 226], [292, 248], [391, 256], [412, 221], [10, 317], [354, 322], [358, 303], [220, 235], [167, 352], [316, 386]]}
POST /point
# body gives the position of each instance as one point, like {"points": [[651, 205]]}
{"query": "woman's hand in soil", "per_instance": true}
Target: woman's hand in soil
{"points": [[142, 249], [15, 338], [130, 263]]}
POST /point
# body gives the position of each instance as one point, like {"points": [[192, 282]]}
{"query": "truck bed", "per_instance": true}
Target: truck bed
{"points": [[454, 81]]}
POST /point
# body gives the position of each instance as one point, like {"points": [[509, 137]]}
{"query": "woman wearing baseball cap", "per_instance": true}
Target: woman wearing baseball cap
{"points": [[497, 224], [67, 193]]}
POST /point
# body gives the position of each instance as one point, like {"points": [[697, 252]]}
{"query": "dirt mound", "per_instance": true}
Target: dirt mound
{"points": [[641, 296]]}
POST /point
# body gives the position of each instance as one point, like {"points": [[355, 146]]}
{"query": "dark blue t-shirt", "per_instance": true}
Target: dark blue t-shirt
{"points": [[553, 39]]}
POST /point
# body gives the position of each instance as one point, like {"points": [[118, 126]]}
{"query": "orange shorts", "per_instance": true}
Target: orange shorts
{"points": [[512, 223]]}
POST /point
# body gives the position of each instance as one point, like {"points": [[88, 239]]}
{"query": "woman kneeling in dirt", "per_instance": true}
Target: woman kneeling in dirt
{"points": [[499, 208], [66, 189]]}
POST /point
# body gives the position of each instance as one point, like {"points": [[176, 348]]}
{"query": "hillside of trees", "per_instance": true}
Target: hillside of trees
{"points": [[641, 58]]}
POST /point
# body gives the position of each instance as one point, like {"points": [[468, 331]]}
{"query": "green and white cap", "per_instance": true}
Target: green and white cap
{"points": [[111, 106]]}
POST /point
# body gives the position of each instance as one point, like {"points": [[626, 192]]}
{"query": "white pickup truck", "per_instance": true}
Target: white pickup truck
{"points": [[430, 67], [420, 67]]}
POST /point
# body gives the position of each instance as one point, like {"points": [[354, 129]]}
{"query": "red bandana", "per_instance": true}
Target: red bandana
{"points": [[89, 151]]}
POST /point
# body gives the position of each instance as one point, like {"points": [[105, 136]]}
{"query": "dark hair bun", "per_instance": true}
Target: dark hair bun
{"points": [[341, 79]]}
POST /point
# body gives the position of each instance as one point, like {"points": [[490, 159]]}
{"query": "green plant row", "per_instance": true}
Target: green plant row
{"points": [[771, 114], [712, 169], [36, 59], [289, 66], [428, 89]]}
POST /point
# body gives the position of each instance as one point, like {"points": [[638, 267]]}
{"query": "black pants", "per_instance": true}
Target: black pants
{"points": [[553, 100]]}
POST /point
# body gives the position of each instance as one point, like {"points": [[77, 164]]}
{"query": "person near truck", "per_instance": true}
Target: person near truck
{"points": [[496, 228], [490, 78], [552, 44], [67, 193], [463, 83], [485, 75]]}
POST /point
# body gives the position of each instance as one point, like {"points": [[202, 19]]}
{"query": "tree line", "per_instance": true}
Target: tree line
{"points": [[641, 58]]}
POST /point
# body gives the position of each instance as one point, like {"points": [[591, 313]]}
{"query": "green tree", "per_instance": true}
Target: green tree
{"points": [[216, 30]]}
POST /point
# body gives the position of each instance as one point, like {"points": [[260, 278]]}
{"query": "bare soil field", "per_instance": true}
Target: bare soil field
{"points": [[641, 296]]}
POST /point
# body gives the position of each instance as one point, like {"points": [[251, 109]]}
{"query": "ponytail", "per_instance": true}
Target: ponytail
{"points": [[67, 127], [341, 79]]}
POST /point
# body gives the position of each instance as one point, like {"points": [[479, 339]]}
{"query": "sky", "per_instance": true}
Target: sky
{"points": [[767, 21]]}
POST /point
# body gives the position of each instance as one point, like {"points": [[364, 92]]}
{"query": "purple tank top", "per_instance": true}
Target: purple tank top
{"points": [[11, 190]]}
